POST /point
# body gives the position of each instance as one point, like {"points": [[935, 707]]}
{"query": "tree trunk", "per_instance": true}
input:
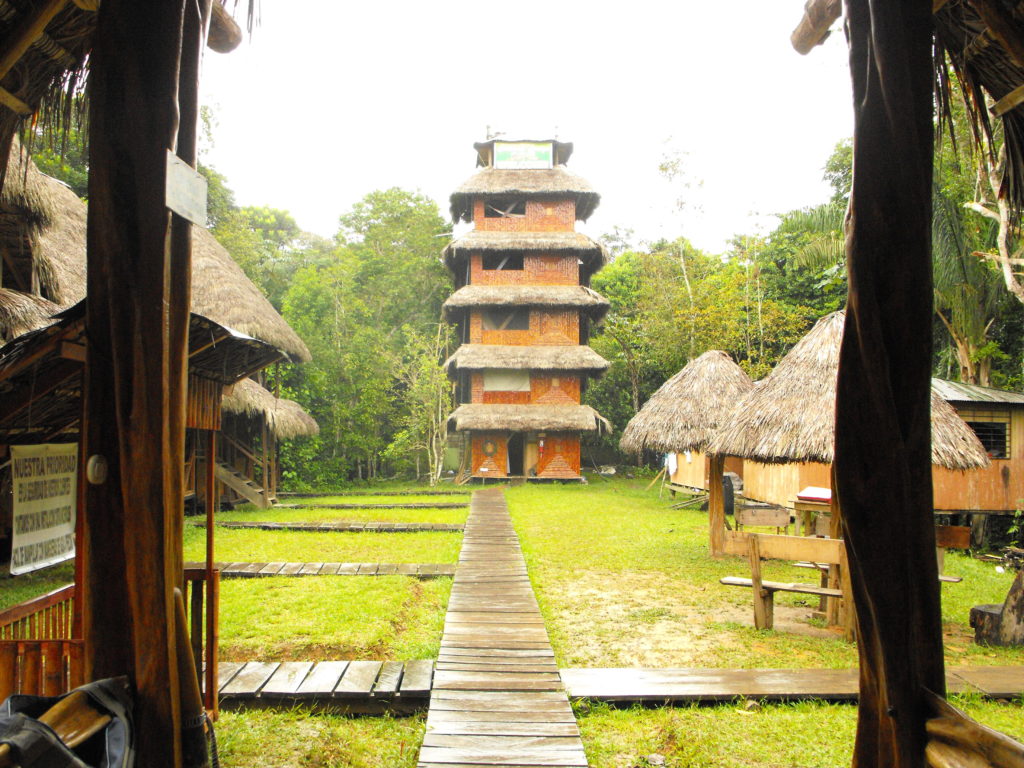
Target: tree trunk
{"points": [[883, 434]]}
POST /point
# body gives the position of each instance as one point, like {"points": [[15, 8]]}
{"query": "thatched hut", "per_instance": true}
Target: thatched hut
{"points": [[686, 412], [23, 312], [255, 421], [785, 427]]}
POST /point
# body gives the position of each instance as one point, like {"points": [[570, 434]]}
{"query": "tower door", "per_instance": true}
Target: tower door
{"points": [[516, 448]]}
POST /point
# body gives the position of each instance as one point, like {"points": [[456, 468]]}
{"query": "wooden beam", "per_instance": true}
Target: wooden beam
{"points": [[25, 32], [13, 103], [813, 27], [716, 505]]}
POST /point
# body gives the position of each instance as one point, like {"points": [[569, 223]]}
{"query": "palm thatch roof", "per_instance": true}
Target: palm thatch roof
{"points": [[481, 417], [23, 312], [574, 296], [688, 409], [479, 357], [47, 222], [983, 43], [285, 419], [499, 182], [789, 416], [591, 253]]}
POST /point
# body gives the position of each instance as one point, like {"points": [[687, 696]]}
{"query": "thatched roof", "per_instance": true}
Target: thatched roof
{"points": [[479, 357], [23, 312], [574, 296], [789, 416], [985, 55], [688, 409], [285, 419], [477, 417], [551, 183], [220, 289], [591, 253]]}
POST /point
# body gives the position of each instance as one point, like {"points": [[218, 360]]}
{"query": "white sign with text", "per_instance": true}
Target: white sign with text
{"points": [[45, 493]]}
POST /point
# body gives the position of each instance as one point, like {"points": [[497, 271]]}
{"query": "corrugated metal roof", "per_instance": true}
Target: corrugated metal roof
{"points": [[955, 392]]}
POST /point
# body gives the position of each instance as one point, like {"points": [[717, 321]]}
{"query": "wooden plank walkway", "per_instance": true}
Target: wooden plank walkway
{"points": [[710, 685], [341, 526], [353, 686], [255, 570], [497, 698]]}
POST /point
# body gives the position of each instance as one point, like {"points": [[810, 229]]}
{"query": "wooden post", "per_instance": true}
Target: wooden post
{"points": [[764, 601], [883, 428], [716, 505], [212, 583], [137, 322]]}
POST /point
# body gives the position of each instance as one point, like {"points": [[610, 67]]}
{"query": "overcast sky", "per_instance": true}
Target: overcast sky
{"points": [[329, 101]]}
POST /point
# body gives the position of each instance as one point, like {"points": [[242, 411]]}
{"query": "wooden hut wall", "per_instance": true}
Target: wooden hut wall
{"points": [[203, 406], [693, 469], [495, 465], [780, 483], [996, 488], [541, 216], [538, 269], [545, 389], [561, 457]]}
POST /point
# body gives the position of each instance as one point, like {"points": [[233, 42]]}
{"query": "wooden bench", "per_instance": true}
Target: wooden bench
{"points": [[820, 553], [766, 517]]}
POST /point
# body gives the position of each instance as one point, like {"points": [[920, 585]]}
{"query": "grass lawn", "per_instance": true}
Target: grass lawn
{"points": [[380, 618], [18, 589], [806, 734], [263, 738], [253, 545], [312, 514], [625, 581], [369, 498]]}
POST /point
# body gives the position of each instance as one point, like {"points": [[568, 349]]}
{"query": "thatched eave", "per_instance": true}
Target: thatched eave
{"points": [[285, 419], [23, 312], [688, 410], [552, 183], [479, 417], [561, 296], [591, 253], [481, 357]]}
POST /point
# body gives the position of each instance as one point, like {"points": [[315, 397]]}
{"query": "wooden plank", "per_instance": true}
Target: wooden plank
{"points": [[386, 569], [347, 569], [997, 682], [287, 678], [504, 728], [527, 756], [290, 569], [250, 678], [438, 716], [512, 745], [953, 536], [330, 569], [417, 678], [226, 670], [388, 679], [785, 547], [271, 569], [310, 569], [368, 569], [358, 679], [322, 679]]}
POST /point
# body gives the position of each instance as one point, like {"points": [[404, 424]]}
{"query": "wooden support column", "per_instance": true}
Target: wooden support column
{"points": [[716, 505], [210, 700], [883, 436], [137, 320]]}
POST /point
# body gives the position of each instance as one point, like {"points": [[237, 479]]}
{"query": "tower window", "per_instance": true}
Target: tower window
{"points": [[504, 208], [506, 261], [506, 320]]}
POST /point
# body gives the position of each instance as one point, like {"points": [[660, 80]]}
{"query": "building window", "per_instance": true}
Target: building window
{"points": [[504, 209], [506, 381], [994, 437], [503, 261], [506, 320]]}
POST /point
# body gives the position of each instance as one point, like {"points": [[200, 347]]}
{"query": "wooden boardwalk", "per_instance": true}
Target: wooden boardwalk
{"points": [[358, 686], [255, 570], [497, 698], [652, 686], [341, 526]]}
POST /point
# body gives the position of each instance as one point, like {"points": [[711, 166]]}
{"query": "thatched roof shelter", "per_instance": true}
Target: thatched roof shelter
{"points": [[23, 312], [688, 410], [479, 357], [47, 222], [285, 419], [560, 296], [789, 416], [499, 182], [480, 417], [591, 253]]}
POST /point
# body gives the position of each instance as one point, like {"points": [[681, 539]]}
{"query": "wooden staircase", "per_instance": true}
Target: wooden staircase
{"points": [[243, 486]]}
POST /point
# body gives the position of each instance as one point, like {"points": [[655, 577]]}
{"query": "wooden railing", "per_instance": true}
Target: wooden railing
{"points": [[38, 655]]}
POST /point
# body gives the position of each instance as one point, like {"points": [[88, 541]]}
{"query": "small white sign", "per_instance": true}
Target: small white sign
{"points": [[186, 190], [45, 484], [523, 155]]}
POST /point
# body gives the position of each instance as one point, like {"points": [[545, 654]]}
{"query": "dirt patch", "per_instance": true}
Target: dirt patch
{"points": [[648, 620]]}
